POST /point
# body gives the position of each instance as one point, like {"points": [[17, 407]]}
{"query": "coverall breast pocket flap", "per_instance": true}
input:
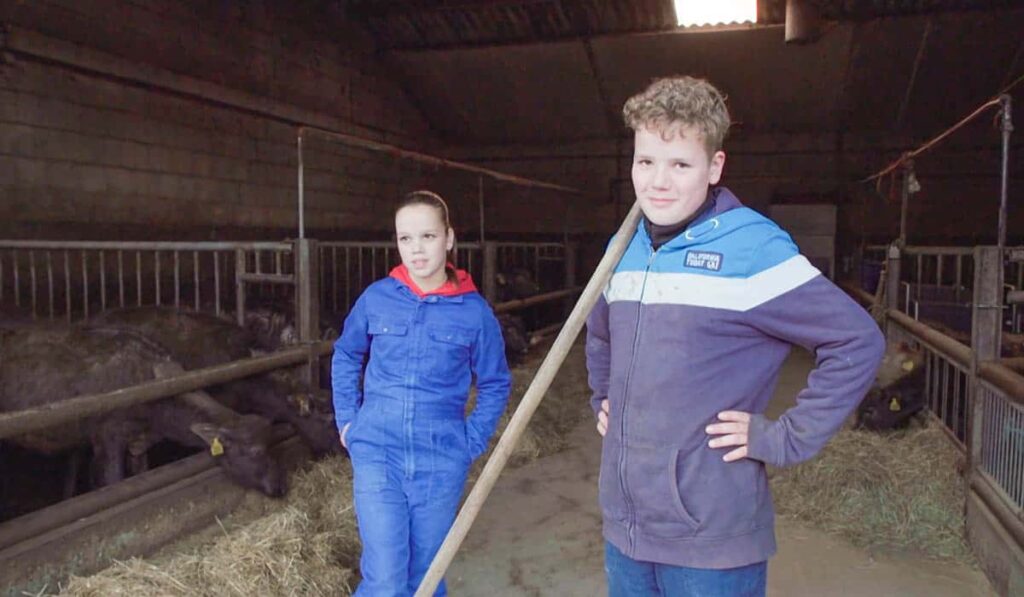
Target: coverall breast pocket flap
{"points": [[456, 336], [387, 328]]}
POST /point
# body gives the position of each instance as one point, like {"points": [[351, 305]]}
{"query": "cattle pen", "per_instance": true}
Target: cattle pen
{"points": [[194, 195], [972, 380], [292, 294]]}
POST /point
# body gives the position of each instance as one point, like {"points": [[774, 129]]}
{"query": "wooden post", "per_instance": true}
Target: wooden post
{"points": [[986, 333], [490, 270], [531, 400], [307, 303]]}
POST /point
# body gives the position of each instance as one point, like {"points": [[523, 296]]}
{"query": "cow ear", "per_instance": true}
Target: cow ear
{"points": [[209, 432]]}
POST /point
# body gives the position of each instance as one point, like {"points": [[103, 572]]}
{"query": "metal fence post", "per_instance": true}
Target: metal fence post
{"points": [[490, 273], [307, 302], [892, 276], [570, 273], [240, 286], [986, 332]]}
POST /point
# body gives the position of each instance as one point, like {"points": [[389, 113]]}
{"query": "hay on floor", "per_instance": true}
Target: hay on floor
{"points": [[309, 545], [305, 547], [900, 490]]}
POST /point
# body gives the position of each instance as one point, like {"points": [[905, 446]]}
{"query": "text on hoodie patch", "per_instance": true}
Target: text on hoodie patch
{"points": [[704, 260]]}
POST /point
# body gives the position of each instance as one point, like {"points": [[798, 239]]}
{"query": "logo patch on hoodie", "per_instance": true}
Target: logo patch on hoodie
{"points": [[704, 260]]}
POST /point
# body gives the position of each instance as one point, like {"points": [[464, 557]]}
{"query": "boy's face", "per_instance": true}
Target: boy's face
{"points": [[671, 177]]}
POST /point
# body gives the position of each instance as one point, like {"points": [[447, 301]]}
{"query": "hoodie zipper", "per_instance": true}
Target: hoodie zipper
{"points": [[631, 526]]}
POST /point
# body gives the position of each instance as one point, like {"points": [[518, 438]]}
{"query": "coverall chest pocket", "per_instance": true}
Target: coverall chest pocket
{"points": [[388, 338], [448, 350]]}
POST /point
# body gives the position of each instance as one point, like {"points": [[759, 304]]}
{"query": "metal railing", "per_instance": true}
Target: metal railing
{"points": [[1002, 443], [980, 402], [544, 261], [937, 282], [348, 267], [72, 280]]}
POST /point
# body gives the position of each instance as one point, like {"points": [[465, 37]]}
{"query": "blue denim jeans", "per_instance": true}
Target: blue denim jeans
{"points": [[409, 469], [631, 578]]}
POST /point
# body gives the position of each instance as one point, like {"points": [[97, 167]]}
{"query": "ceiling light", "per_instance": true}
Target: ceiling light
{"points": [[694, 13]]}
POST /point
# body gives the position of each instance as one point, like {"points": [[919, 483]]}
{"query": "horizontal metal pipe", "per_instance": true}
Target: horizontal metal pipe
{"points": [[26, 421], [984, 486], [52, 517], [379, 244], [40, 521], [1013, 363], [436, 161], [932, 250], [528, 245], [1009, 383], [864, 297], [517, 304], [1015, 297], [268, 278], [546, 331], [143, 245], [957, 353]]}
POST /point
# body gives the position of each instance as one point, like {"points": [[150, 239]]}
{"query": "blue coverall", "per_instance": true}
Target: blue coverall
{"points": [[410, 442]]}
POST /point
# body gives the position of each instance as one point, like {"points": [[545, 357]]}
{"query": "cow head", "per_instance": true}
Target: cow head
{"points": [[313, 418], [242, 449]]}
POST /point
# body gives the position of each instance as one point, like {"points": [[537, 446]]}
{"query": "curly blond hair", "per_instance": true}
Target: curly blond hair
{"points": [[674, 101]]}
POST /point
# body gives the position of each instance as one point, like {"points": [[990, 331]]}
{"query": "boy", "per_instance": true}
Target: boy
{"points": [[684, 349]]}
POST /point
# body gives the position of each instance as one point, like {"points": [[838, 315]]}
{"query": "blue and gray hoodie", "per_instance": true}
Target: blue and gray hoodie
{"points": [[699, 326]]}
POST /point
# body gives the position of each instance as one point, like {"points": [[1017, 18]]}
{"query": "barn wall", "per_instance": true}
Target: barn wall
{"points": [[89, 155], [958, 203]]}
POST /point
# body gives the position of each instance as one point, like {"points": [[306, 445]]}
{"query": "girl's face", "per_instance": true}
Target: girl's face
{"points": [[423, 243]]}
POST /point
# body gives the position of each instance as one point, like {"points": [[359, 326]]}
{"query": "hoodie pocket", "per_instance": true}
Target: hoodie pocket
{"points": [[677, 498], [654, 493], [727, 498], [609, 483]]}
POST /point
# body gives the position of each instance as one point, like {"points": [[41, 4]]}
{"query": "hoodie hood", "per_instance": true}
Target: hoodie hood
{"points": [[722, 218], [463, 283]]}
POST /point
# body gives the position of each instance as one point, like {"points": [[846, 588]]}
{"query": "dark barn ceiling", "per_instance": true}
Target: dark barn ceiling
{"points": [[541, 71]]}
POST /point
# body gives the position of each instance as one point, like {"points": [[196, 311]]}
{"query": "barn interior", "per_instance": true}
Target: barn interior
{"points": [[241, 158]]}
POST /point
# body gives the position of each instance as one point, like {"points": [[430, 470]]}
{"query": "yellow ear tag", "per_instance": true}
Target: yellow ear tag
{"points": [[908, 366], [216, 448], [894, 405]]}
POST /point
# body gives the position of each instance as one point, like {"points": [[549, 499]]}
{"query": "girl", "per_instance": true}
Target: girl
{"points": [[425, 331]]}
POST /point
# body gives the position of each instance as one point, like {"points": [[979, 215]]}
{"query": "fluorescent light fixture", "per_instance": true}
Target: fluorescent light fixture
{"points": [[695, 13]]}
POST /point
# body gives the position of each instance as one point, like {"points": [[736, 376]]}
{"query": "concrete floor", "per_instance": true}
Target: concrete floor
{"points": [[540, 534]]}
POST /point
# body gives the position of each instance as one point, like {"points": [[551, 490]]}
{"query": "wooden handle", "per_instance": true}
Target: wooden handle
{"points": [[531, 400]]}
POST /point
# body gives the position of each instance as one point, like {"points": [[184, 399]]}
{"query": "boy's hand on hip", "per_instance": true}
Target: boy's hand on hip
{"points": [[733, 432], [602, 418]]}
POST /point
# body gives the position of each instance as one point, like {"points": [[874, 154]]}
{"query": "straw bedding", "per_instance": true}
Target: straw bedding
{"points": [[896, 491], [309, 544]]}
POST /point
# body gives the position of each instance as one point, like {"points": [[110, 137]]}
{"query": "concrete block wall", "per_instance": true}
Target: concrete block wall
{"points": [[958, 202], [87, 155]]}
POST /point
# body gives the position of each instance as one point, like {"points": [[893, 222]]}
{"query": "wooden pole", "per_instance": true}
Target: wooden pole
{"points": [[531, 400]]}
